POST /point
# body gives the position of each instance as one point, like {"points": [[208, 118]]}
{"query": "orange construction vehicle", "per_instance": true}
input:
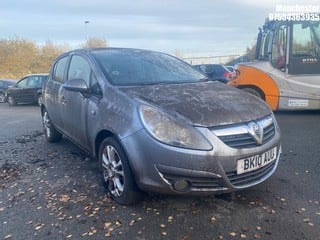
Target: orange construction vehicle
{"points": [[286, 70]]}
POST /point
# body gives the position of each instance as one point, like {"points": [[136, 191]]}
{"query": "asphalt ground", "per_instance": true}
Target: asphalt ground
{"points": [[54, 191]]}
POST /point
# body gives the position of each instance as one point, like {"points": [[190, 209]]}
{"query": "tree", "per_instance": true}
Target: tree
{"points": [[95, 43], [47, 54], [19, 57], [250, 52]]}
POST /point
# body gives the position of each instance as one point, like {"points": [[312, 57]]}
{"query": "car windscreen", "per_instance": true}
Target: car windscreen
{"points": [[139, 67]]}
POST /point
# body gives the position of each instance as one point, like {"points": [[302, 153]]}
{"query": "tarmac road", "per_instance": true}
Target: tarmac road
{"points": [[18, 120], [53, 191]]}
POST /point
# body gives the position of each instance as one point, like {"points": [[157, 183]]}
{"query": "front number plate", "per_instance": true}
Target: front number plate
{"points": [[257, 161]]}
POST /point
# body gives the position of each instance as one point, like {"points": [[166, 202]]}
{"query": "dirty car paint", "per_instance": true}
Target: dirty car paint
{"points": [[205, 104]]}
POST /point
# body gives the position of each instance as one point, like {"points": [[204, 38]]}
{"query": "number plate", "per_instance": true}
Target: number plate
{"points": [[255, 162]]}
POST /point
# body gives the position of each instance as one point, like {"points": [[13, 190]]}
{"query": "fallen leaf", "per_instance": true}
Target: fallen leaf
{"points": [[245, 229], [7, 237], [257, 236], [107, 225], [64, 198], [306, 220]]}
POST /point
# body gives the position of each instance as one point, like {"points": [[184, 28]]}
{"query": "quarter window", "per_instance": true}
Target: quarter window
{"points": [[59, 68]]}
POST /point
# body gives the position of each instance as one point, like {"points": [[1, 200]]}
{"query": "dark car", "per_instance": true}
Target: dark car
{"points": [[215, 71], [27, 90], [4, 84], [156, 124], [231, 69]]}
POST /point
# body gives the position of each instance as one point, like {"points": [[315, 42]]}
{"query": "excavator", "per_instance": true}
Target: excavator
{"points": [[286, 69]]}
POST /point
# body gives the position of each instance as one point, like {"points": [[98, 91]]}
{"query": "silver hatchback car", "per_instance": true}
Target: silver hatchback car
{"points": [[155, 124]]}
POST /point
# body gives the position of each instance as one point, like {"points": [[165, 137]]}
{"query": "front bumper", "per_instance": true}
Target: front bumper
{"points": [[161, 168]]}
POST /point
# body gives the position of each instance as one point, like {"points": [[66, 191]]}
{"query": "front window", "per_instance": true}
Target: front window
{"points": [[306, 40], [23, 83], [79, 69], [138, 67]]}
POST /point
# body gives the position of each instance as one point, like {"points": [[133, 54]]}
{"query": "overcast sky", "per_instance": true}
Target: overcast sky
{"points": [[198, 27]]}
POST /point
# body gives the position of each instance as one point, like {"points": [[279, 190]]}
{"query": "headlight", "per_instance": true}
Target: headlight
{"points": [[168, 130]]}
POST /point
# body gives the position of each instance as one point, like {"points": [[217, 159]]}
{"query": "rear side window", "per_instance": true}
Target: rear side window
{"points": [[59, 69]]}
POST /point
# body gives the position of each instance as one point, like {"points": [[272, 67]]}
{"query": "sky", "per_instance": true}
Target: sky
{"points": [[190, 27]]}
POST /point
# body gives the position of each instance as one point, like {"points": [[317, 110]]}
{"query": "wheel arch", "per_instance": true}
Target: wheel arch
{"points": [[254, 76], [256, 88], [103, 134]]}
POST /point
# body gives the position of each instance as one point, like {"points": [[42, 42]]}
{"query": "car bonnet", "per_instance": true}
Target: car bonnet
{"points": [[205, 104]]}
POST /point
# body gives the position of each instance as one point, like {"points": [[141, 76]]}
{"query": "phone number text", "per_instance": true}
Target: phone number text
{"points": [[294, 16]]}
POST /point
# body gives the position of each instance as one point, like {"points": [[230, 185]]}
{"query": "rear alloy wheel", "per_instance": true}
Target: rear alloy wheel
{"points": [[51, 133], [11, 101], [117, 175], [2, 97]]}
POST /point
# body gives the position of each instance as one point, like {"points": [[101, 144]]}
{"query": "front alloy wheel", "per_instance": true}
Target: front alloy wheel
{"points": [[116, 173]]}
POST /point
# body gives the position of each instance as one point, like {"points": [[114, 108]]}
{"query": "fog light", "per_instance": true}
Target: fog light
{"points": [[181, 185]]}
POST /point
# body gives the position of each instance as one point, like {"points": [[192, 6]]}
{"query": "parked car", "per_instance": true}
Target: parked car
{"points": [[27, 90], [4, 84], [215, 71], [155, 124], [230, 68]]}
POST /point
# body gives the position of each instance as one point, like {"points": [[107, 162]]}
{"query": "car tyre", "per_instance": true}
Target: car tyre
{"points": [[116, 173], [39, 100], [11, 101], [51, 133], [2, 97]]}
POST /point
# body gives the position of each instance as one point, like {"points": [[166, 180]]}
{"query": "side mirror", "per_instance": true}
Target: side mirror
{"points": [[76, 85]]}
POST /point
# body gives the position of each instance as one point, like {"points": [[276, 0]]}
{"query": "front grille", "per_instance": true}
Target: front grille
{"points": [[239, 136], [250, 177], [198, 181], [208, 183]]}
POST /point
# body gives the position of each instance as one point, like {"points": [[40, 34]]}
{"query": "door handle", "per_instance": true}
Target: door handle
{"points": [[63, 99]]}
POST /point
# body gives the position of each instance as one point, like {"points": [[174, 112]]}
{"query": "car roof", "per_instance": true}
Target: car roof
{"points": [[37, 74]]}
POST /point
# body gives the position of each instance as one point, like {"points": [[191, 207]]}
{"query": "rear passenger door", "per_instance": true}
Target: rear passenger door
{"points": [[52, 97]]}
